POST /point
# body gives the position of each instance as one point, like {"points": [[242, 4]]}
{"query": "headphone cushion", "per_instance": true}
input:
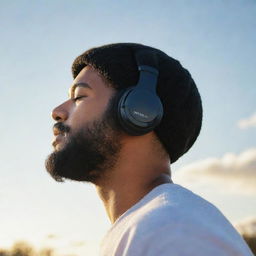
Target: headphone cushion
{"points": [[139, 111]]}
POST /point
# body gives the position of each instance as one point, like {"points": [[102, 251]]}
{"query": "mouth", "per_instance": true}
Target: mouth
{"points": [[55, 142], [60, 133], [58, 139]]}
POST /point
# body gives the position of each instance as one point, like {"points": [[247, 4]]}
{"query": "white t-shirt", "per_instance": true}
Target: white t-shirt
{"points": [[173, 221]]}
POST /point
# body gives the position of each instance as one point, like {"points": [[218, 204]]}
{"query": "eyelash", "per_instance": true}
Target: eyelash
{"points": [[78, 98]]}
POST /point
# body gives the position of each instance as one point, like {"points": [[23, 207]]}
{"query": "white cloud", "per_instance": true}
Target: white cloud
{"points": [[230, 173], [247, 122]]}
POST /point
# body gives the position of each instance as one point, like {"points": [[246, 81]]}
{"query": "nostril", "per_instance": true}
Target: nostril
{"points": [[56, 116], [60, 113]]}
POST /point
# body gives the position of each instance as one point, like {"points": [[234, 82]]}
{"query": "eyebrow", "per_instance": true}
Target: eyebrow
{"points": [[74, 86]]}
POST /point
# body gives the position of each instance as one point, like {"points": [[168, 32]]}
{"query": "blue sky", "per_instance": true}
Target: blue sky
{"points": [[214, 40]]}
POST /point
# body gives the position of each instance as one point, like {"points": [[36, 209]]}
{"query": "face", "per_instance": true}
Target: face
{"points": [[87, 137]]}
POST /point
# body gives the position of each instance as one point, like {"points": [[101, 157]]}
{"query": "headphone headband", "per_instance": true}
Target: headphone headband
{"points": [[148, 69], [148, 78]]}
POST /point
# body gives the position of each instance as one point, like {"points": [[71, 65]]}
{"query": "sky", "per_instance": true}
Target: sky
{"points": [[214, 40]]}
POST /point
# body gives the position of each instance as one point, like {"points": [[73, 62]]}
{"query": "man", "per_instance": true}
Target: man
{"points": [[116, 133]]}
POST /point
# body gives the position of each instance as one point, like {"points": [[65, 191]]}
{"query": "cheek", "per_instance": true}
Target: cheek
{"points": [[86, 112]]}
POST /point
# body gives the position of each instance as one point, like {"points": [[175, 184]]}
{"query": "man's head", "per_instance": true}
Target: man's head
{"points": [[115, 67], [87, 140]]}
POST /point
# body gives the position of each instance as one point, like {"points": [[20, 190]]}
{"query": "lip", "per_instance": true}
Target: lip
{"points": [[57, 140]]}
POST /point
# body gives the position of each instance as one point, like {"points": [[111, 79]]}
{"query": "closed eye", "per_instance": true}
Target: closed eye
{"points": [[78, 98]]}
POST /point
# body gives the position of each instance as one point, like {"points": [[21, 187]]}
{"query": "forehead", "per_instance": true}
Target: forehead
{"points": [[89, 78]]}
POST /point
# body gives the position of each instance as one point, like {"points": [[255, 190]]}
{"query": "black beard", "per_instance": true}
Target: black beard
{"points": [[88, 153]]}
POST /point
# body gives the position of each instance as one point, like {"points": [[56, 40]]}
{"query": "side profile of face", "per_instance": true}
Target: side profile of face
{"points": [[87, 138]]}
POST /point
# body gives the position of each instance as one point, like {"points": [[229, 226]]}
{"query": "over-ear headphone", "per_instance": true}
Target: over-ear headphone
{"points": [[139, 109]]}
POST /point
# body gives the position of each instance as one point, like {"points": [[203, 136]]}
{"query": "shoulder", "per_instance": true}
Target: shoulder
{"points": [[153, 236], [173, 220], [182, 240], [174, 205], [178, 221]]}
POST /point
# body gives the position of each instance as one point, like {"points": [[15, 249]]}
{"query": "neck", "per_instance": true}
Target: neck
{"points": [[135, 175], [118, 200]]}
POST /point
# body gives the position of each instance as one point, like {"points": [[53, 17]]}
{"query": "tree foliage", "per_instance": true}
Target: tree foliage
{"points": [[22, 248]]}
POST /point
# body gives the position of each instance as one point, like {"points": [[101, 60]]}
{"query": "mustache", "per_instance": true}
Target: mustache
{"points": [[62, 128]]}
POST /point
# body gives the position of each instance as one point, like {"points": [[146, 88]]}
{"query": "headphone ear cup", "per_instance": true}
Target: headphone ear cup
{"points": [[138, 111], [119, 107]]}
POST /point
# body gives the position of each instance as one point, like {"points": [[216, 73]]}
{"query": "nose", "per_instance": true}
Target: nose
{"points": [[60, 113]]}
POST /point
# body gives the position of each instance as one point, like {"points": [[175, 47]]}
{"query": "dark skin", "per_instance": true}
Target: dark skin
{"points": [[142, 163]]}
